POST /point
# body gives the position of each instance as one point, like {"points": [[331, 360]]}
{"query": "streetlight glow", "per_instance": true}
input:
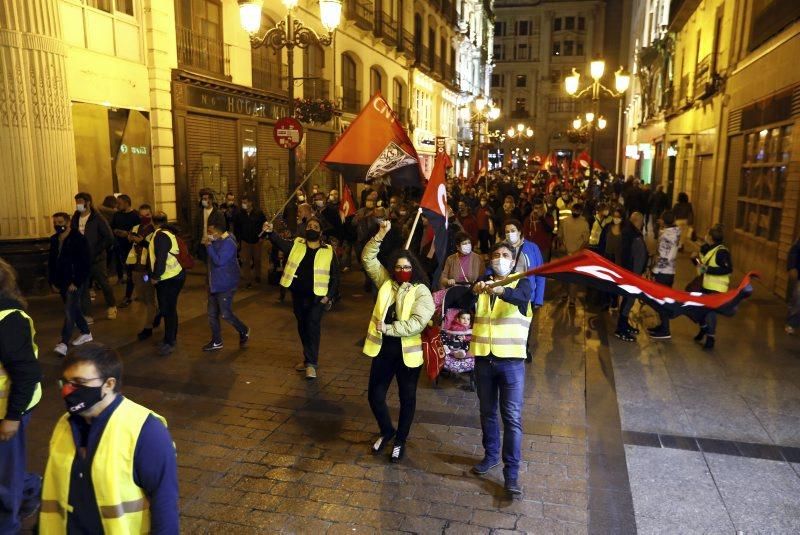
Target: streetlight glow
{"points": [[250, 15], [510, 132], [330, 13], [571, 82], [494, 113], [576, 123], [622, 81], [480, 103], [589, 117], [529, 132], [601, 123], [290, 4], [520, 127], [597, 68], [465, 114]]}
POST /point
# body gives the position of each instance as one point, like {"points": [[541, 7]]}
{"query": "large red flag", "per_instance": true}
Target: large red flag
{"points": [[346, 205], [434, 207], [374, 146]]}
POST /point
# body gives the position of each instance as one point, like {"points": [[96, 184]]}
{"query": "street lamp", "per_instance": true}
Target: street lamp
{"points": [[621, 83], [484, 111], [289, 33]]}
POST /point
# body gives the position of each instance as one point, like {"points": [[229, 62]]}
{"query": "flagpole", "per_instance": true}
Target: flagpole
{"points": [[294, 192], [413, 228]]}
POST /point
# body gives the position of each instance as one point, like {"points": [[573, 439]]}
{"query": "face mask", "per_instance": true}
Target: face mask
{"points": [[245, 206], [312, 235], [60, 228], [402, 276], [301, 198], [369, 204], [617, 220], [80, 208], [501, 266], [144, 221], [466, 248], [204, 203], [513, 237], [483, 203], [82, 398], [319, 204], [403, 213], [333, 198]]}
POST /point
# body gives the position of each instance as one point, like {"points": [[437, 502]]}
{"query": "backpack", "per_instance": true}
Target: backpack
{"points": [[184, 257]]}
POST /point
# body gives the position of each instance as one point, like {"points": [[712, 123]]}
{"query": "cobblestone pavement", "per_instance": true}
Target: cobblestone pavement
{"points": [[262, 450]]}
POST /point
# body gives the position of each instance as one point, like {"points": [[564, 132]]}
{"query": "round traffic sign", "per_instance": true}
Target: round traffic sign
{"points": [[288, 132]]}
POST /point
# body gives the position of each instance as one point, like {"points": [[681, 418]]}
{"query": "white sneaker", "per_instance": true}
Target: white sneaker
{"points": [[82, 339], [112, 313], [61, 349]]}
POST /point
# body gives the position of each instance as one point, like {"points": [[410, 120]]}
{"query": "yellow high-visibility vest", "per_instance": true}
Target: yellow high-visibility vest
{"points": [[5, 382], [717, 283], [173, 267], [412, 345], [123, 506], [499, 329], [131, 260], [322, 266]]}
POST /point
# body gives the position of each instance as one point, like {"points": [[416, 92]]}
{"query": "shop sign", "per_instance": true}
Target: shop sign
{"points": [[288, 132], [632, 151], [211, 99], [440, 147], [124, 149]]}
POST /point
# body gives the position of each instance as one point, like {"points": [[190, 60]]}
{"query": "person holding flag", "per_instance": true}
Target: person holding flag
{"points": [[434, 207]]}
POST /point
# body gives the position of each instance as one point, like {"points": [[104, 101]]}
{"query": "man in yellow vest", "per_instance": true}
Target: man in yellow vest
{"points": [[312, 275], [112, 467], [715, 265], [20, 391], [168, 276], [499, 343]]}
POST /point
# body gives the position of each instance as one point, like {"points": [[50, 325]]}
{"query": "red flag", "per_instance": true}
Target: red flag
{"points": [[435, 196], [346, 205], [375, 145], [529, 185]]}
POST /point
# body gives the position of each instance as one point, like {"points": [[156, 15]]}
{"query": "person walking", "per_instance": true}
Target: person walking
{"points": [[573, 232], [684, 217], [402, 310], [122, 223], [312, 275], [112, 466], [715, 265], [247, 228], [538, 228], [68, 268], [464, 266], [168, 276], [602, 217], [200, 234], [792, 269], [223, 279], [634, 258], [484, 216], [664, 268], [95, 228], [138, 262], [502, 321], [20, 392]]}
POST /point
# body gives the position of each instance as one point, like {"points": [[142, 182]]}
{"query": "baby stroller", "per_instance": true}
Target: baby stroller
{"points": [[454, 312]]}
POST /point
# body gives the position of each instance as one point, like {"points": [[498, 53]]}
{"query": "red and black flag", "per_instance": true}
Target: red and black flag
{"points": [[347, 206], [434, 208], [376, 146], [592, 270]]}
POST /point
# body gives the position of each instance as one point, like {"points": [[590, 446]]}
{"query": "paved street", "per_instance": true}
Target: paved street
{"points": [[656, 436]]}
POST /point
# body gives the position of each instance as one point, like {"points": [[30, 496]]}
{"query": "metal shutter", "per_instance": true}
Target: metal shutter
{"points": [[273, 170], [317, 146]]}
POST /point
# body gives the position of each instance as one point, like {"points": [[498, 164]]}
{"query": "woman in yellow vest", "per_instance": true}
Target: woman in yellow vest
{"points": [[312, 275], [499, 343], [112, 467], [20, 391], [715, 264], [137, 263], [402, 310]]}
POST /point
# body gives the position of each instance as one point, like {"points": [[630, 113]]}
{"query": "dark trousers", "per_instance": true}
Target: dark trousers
{"points": [[72, 313], [501, 384], [667, 280], [308, 311], [793, 319], [709, 322], [221, 305], [484, 240], [625, 311], [387, 365], [19, 490], [99, 275], [129, 283], [167, 292]]}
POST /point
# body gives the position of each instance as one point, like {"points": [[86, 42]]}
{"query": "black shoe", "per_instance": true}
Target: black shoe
{"points": [[157, 321], [125, 303], [244, 338], [212, 346], [145, 334], [633, 330], [625, 336], [398, 452], [513, 488], [659, 334], [381, 443], [166, 349], [484, 466], [699, 336], [709, 342]]}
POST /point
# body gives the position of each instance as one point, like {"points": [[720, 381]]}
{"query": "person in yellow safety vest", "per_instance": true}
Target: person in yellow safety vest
{"points": [[137, 263], [312, 275], [402, 310], [168, 276], [499, 343], [20, 391], [112, 466], [715, 264]]}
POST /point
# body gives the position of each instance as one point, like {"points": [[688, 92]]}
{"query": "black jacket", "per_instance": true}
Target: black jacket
{"points": [[18, 360], [69, 261], [98, 233], [247, 226], [634, 250]]}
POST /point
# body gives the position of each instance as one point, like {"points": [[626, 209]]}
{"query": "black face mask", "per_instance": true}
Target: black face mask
{"points": [[312, 235], [60, 229], [82, 398]]}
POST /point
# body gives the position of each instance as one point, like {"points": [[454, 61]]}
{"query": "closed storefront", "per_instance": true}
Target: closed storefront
{"points": [[317, 144], [211, 155]]}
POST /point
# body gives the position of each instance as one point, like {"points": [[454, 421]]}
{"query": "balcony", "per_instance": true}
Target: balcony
{"points": [[388, 29], [437, 66], [406, 44], [317, 89], [682, 96], [362, 13], [422, 56], [702, 75], [269, 76], [201, 53], [351, 100]]}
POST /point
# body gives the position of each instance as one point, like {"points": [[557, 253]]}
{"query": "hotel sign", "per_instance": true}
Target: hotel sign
{"points": [[214, 100]]}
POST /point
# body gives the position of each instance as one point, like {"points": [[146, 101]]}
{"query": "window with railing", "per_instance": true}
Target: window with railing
{"points": [[268, 74], [763, 181], [561, 105], [702, 75], [388, 29], [351, 96], [683, 91], [199, 36], [362, 12]]}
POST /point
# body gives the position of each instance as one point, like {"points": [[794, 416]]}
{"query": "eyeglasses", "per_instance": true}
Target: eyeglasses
{"points": [[63, 382], [403, 268]]}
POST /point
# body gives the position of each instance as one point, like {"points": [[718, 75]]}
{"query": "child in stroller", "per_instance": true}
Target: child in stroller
{"points": [[456, 337]]}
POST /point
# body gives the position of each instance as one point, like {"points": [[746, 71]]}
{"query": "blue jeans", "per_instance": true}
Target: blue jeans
{"points": [[19, 491], [220, 304], [72, 313], [793, 319], [503, 380]]}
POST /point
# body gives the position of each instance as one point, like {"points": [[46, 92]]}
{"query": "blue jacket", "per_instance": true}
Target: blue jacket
{"points": [[534, 259], [223, 265]]}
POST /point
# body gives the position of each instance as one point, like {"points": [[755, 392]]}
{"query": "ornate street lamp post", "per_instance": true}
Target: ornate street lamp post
{"points": [[596, 89], [591, 125], [484, 112], [289, 33], [521, 134]]}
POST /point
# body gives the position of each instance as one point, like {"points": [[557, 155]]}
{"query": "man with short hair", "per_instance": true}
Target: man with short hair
{"points": [[122, 223], [207, 207], [247, 229], [95, 228], [669, 240], [112, 465]]}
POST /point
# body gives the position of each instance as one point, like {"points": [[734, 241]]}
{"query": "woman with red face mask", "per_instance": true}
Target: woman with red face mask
{"points": [[402, 310]]}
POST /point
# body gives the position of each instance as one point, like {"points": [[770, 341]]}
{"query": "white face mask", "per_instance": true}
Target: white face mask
{"points": [[319, 204], [204, 203], [617, 220], [512, 237], [501, 266], [245, 206], [466, 248], [80, 207]]}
